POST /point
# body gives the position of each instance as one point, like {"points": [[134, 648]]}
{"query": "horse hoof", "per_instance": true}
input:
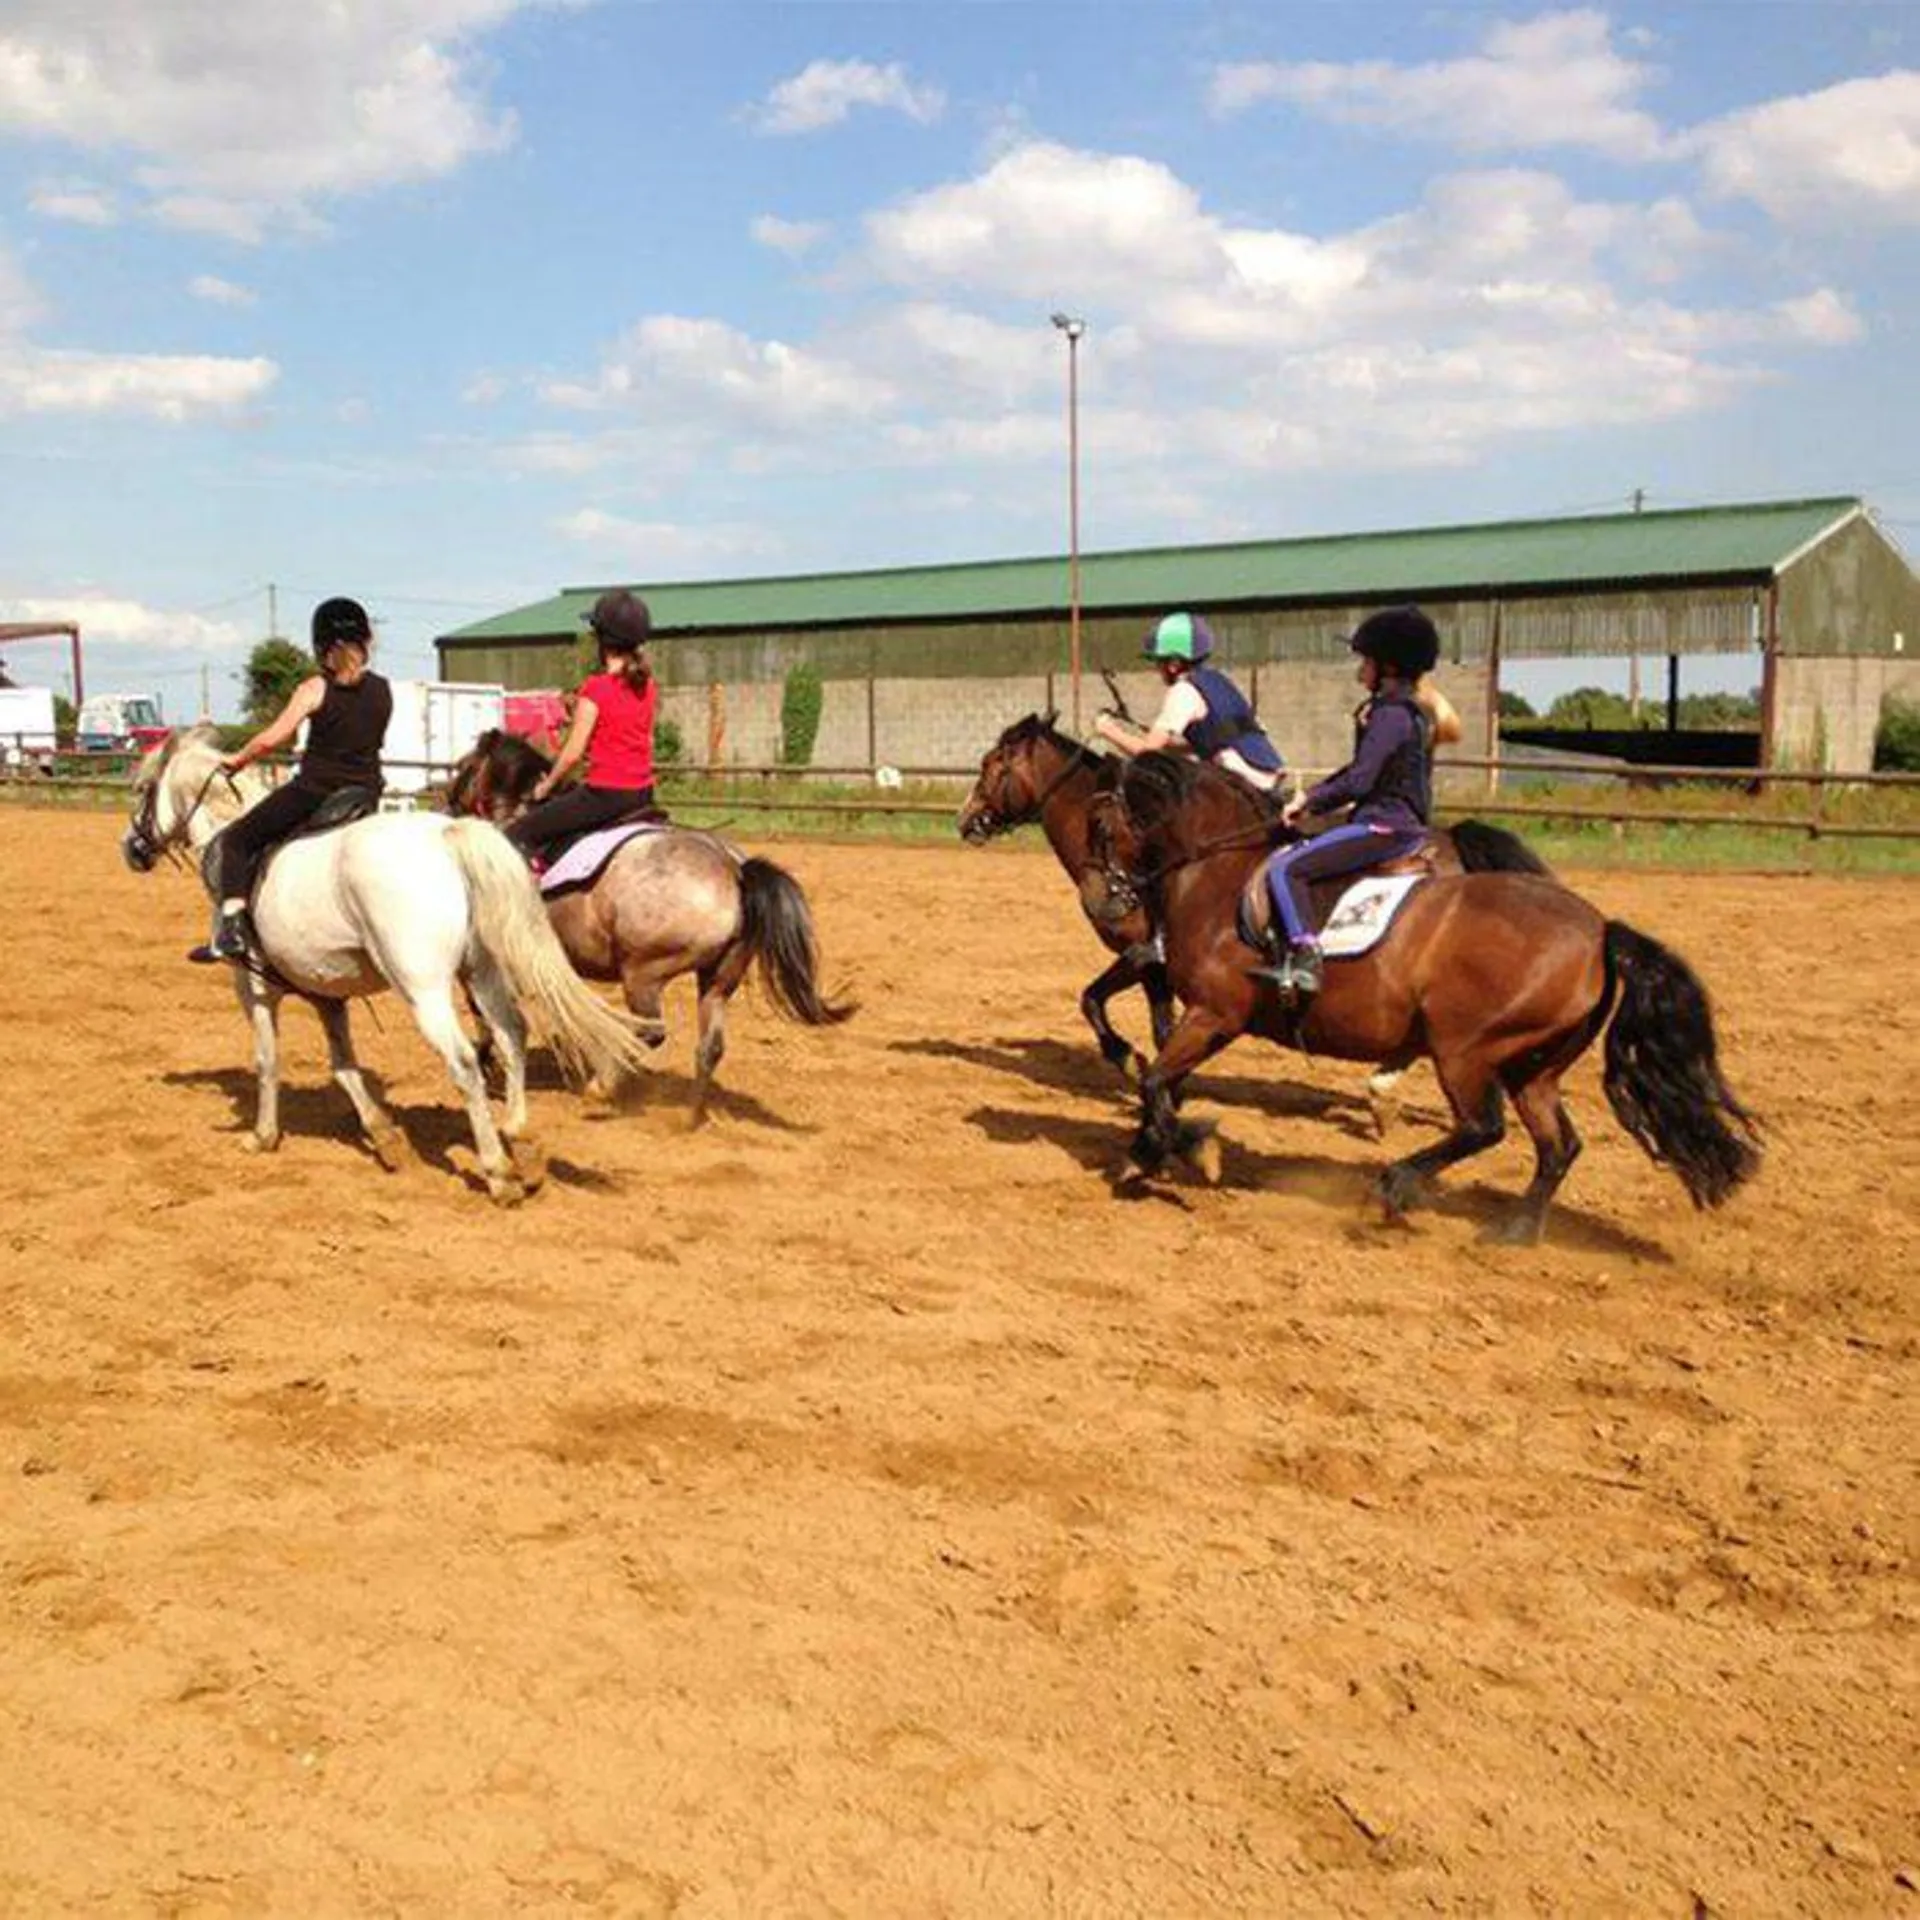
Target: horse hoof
{"points": [[1399, 1193], [651, 1033], [391, 1148], [530, 1163], [505, 1189], [259, 1142], [1205, 1158], [1517, 1230]]}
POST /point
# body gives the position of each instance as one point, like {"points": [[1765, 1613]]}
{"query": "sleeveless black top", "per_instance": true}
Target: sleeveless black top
{"points": [[345, 735]]}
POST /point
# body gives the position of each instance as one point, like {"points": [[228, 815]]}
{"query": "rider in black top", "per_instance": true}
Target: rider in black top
{"points": [[347, 709]]}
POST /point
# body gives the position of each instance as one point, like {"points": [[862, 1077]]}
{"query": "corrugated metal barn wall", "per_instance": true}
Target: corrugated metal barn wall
{"points": [[1694, 620]]}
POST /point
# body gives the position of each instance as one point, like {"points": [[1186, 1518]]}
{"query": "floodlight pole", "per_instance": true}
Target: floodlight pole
{"points": [[1073, 327]]}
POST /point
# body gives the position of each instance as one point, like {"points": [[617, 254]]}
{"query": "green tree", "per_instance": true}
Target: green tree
{"points": [[802, 700], [274, 669], [669, 744], [66, 720], [1514, 706], [1591, 708]]}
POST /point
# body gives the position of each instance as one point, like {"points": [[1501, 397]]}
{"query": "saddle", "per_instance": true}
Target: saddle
{"points": [[554, 851], [341, 808], [1254, 915]]}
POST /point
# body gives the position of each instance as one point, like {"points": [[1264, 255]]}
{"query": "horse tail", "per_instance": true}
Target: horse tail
{"points": [[777, 930], [510, 924], [1662, 1072], [1489, 849]]}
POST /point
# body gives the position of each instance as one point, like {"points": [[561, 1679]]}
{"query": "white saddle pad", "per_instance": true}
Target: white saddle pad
{"points": [[580, 864], [1364, 913]]}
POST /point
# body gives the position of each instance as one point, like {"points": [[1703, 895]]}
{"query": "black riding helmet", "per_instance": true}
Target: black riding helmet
{"points": [[620, 620], [340, 622], [1400, 638]]}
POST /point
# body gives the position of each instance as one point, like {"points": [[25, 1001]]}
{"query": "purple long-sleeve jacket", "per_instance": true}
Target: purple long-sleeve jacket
{"points": [[1387, 782]]}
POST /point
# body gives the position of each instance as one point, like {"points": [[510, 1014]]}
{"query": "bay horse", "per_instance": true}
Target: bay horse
{"points": [[672, 900], [411, 901], [1502, 980], [1035, 772]]}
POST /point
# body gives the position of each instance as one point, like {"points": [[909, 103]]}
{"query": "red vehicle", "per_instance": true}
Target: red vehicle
{"points": [[542, 718], [120, 723]]}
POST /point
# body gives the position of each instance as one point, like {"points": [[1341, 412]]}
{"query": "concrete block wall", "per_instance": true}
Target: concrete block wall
{"points": [[1307, 706], [1827, 709]]}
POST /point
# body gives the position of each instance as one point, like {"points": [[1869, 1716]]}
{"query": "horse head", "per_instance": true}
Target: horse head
{"points": [[181, 792], [1018, 775], [495, 778]]}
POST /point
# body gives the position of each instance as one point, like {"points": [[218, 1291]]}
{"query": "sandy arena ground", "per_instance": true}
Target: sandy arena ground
{"points": [[857, 1508]]}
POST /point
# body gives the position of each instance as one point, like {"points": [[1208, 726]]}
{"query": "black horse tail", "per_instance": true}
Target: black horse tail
{"points": [[777, 930], [1663, 1076], [1486, 849]]}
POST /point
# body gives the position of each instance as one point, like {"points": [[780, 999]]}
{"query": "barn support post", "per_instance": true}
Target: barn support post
{"points": [[1492, 741], [1770, 679], [1673, 693], [79, 673], [873, 734]]}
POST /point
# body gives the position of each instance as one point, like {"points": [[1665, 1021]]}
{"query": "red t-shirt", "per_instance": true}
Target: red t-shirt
{"points": [[620, 749]]}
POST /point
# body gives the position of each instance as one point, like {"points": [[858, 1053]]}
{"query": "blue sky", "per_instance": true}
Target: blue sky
{"points": [[449, 303]]}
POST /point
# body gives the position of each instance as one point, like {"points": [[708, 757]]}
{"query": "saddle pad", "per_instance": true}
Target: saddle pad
{"points": [[1358, 922], [1364, 913], [579, 865]]}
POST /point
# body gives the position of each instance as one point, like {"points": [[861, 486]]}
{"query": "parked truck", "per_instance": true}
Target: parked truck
{"points": [[120, 723]]}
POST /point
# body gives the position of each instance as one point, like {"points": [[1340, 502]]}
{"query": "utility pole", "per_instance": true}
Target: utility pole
{"points": [[1072, 326], [1633, 659], [206, 700], [273, 611]]}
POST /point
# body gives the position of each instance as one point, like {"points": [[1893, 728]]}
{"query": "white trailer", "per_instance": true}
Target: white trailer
{"points": [[434, 723], [26, 727]]}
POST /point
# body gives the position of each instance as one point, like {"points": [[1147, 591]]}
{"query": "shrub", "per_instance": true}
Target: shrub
{"points": [[1896, 746], [801, 700], [669, 745]]}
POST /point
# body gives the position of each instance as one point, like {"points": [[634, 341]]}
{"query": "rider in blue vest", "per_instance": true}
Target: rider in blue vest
{"points": [[1203, 713], [1388, 784]]}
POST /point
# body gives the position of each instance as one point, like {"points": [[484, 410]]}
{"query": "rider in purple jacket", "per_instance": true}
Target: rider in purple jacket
{"points": [[1388, 784]]}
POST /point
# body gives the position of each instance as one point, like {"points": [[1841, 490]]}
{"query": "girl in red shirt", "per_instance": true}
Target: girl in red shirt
{"points": [[612, 731]]}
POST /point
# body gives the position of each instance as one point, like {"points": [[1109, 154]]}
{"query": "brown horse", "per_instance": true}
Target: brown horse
{"points": [[1034, 772], [1501, 979], [669, 902]]}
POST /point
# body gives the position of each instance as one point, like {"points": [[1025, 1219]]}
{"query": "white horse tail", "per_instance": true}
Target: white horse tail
{"points": [[510, 923]]}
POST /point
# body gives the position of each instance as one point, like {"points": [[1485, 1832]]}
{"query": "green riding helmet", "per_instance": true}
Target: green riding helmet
{"points": [[1180, 636]]}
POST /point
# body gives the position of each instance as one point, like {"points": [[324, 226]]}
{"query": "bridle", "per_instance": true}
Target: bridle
{"points": [[1128, 886], [1006, 814], [145, 843]]}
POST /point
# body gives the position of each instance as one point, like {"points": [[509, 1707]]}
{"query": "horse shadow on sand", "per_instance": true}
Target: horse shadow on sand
{"points": [[653, 1090], [1339, 1186], [433, 1131], [1061, 1068]]}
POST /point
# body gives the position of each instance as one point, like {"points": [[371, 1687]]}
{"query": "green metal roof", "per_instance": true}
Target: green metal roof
{"points": [[1690, 546]]}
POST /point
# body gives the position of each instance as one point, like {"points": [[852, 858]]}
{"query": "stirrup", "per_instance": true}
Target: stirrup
{"points": [[1296, 973], [228, 941]]}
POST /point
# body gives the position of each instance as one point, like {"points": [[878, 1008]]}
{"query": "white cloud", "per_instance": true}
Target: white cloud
{"points": [[825, 92], [670, 363], [77, 201], [171, 387], [1821, 318], [1847, 152], [791, 237], [221, 293], [246, 116], [660, 546], [106, 619], [1555, 81]]}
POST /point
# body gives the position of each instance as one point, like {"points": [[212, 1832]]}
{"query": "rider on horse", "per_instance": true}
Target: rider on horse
{"points": [[612, 731], [1204, 713], [1388, 783], [346, 708]]}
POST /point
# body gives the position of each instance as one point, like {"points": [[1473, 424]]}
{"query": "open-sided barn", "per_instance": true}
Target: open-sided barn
{"points": [[923, 665]]}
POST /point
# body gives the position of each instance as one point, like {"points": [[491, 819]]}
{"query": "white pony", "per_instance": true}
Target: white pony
{"points": [[414, 901]]}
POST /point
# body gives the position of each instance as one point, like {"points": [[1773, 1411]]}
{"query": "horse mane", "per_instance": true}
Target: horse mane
{"points": [[1159, 789]]}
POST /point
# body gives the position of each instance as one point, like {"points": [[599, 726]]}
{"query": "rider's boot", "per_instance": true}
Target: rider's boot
{"points": [[229, 939], [1296, 971]]}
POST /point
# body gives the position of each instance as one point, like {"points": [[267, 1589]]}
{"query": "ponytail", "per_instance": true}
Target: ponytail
{"points": [[636, 675]]}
